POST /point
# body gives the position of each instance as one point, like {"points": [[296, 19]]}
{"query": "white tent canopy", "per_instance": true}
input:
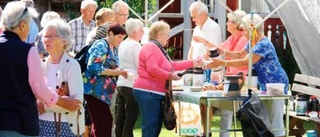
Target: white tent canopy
{"points": [[302, 21]]}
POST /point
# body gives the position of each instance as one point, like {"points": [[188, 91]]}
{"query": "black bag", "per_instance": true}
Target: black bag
{"points": [[81, 57], [254, 118], [169, 114]]}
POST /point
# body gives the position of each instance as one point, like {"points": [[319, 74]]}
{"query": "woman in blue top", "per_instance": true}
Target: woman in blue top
{"points": [[99, 79], [265, 61]]}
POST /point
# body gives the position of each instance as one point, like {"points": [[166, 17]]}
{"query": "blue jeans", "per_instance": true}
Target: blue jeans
{"points": [[9, 133], [150, 107]]}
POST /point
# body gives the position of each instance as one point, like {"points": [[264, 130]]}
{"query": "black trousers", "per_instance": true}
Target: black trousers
{"points": [[100, 116], [127, 112]]}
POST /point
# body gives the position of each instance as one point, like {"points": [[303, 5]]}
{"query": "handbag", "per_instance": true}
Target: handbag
{"points": [[169, 114], [63, 90]]}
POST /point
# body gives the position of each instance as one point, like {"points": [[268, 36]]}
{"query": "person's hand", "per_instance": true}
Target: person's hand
{"points": [[215, 63], [199, 39], [124, 73], [40, 107], [174, 76], [69, 103], [198, 61], [221, 51]]}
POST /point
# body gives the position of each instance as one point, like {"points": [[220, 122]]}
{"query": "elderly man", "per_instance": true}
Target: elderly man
{"points": [[210, 31], [33, 31], [121, 14], [82, 25]]}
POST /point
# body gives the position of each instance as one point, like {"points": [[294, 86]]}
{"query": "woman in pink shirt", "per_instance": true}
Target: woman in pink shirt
{"points": [[235, 42], [154, 69]]}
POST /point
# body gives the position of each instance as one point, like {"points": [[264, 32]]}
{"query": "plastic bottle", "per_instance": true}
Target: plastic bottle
{"points": [[301, 105], [313, 105]]}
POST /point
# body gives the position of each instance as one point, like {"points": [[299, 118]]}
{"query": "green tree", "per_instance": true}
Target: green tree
{"points": [[137, 5]]}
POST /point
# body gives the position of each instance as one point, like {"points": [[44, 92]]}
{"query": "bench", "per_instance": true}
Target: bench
{"points": [[307, 85]]}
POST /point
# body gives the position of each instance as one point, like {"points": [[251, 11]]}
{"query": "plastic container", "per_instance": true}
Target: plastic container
{"points": [[198, 76], [275, 89], [301, 105], [311, 133], [188, 80]]}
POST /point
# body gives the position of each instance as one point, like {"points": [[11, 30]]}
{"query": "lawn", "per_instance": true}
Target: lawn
{"points": [[215, 124]]}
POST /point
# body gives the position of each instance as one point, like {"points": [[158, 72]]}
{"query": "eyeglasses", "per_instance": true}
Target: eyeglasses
{"points": [[24, 12], [122, 15]]}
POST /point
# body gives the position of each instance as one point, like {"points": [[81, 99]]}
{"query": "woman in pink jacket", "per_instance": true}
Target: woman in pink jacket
{"points": [[154, 69]]}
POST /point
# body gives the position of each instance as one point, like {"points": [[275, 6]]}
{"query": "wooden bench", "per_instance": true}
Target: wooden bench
{"points": [[307, 85]]}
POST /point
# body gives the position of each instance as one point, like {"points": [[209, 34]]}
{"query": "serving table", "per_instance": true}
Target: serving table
{"points": [[213, 97]]}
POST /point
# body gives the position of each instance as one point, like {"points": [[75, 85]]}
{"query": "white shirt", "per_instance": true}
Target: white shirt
{"points": [[210, 31], [129, 51], [52, 83]]}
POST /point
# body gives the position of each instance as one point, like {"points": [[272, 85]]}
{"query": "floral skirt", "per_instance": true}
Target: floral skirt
{"points": [[48, 129]]}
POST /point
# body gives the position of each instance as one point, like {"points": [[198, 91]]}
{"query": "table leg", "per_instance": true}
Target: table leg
{"points": [[287, 117], [234, 117], [208, 105]]}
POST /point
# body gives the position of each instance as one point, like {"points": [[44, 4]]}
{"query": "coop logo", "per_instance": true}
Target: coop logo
{"points": [[189, 130]]}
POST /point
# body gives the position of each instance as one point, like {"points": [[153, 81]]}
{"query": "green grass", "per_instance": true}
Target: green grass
{"points": [[215, 125]]}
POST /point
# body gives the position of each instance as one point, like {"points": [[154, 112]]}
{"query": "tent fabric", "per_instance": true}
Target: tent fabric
{"points": [[302, 21]]}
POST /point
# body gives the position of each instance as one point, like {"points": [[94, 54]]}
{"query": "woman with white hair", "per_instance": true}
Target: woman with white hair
{"points": [[266, 63], [47, 16], [127, 107], [21, 78], [61, 71]]}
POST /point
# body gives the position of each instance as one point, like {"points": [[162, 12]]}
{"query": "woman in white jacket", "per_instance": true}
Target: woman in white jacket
{"points": [[61, 71]]}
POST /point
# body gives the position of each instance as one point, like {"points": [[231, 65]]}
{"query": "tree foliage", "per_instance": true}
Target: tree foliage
{"points": [[137, 5]]}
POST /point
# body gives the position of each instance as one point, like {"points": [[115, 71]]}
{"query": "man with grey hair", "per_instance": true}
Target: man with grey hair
{"points": [[82, 25], [33, 31], [209, 30], [121, 14]]}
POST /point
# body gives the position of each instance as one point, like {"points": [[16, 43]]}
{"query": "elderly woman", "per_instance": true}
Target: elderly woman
{"points": [[265, 62], [47, 16], [21, 78], [61, 71], [235, 42], [155, 68], [103, 16], [99, 79], [127, 107]]}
